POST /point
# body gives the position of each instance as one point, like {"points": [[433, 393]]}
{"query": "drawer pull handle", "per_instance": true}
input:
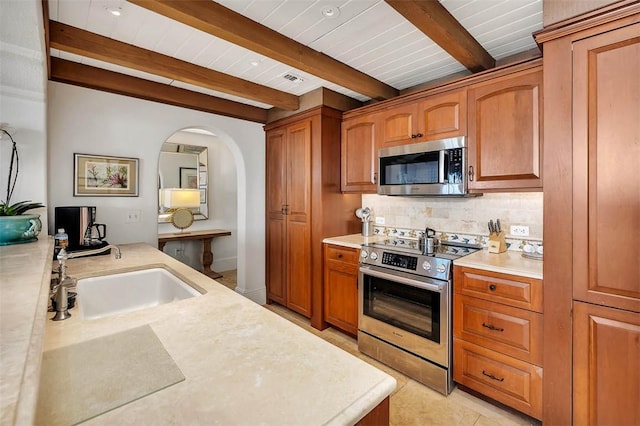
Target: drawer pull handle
{"points": [[339, 255], [492, 287], [492, 327], [491, 376]]}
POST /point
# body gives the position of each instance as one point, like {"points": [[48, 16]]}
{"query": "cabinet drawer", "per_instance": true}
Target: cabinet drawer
{"points": [[342, 254], [513, 290], [515, 383], [512, 331]]}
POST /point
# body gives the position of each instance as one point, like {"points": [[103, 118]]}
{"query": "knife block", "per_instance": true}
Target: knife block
{"points": [[497, 243]]}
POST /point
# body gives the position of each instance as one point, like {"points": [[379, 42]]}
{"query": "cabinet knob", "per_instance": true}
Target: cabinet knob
{"points": [[339, 255], [414, 136], [418, 135], [492, 287]]}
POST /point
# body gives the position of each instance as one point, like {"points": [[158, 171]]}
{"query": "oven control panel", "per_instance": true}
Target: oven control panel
{"points": [[400, 260], [426, 266]]}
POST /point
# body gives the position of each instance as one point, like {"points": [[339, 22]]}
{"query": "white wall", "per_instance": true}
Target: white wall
{"points": [[23, 100], [93, 122]]}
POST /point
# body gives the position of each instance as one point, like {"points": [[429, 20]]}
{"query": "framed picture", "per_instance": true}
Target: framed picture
{"points": [[203, 195], [188, 177], [104, 176]]}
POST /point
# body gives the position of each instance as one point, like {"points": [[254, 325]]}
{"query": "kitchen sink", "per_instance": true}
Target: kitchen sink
{"points": [[108, 295]]}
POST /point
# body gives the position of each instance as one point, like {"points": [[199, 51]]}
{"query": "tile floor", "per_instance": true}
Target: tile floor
{"points": [[411, 403]]}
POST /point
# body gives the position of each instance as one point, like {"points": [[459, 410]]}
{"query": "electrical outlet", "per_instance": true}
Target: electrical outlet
{"points": [[133, 216], [520, 230], [379, 220]]}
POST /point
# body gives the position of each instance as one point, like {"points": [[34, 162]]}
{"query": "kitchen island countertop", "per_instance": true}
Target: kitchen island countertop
{"points": [[509, 262], [243, 364]]}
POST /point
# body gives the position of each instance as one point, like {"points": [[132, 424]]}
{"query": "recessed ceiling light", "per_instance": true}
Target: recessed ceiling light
{"points": [[115, 11], [330, 12], [256, 62]]}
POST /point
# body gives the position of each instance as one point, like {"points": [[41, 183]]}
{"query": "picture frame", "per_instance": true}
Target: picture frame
{"points": [[188, 177], [104, 176]]}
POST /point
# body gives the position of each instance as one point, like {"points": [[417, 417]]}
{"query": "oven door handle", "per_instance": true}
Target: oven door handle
{"points": [[431, 286]]}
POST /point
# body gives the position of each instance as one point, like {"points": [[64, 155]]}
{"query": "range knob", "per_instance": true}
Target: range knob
{"points": [[441, 269], [373, 255], [426, 265], [364, 254]]}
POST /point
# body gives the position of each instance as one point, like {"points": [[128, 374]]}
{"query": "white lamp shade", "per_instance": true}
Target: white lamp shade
{"points": [[174, 198]]}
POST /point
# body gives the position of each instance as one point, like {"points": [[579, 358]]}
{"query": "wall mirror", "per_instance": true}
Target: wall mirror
{"points": [[183, 166]]}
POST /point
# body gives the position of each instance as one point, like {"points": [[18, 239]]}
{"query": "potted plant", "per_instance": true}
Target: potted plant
{"points": [[16, 226]]}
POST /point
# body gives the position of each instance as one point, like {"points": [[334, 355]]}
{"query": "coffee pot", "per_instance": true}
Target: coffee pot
{"points": [[94, 234]]}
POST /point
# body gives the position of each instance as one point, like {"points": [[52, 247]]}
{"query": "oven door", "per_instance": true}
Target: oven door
{"points": [[406, 310]]}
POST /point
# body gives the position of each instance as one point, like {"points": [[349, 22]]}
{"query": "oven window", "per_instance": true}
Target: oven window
{"points": [[412, 169], [412, 309]]}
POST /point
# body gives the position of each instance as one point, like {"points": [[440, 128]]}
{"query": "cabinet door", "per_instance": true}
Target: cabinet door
{"points": [[505, 139], [298, 206], [276, 220], [606, 161], [606, 366], [359, 155], [443, 116], [341, 287], [398, 126]]}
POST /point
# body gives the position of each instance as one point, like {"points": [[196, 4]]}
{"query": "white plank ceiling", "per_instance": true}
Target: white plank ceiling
{"points": [[368, 35]]}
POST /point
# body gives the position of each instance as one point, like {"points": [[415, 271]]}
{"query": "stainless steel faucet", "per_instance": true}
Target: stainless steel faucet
{"points": [[59, 289]]}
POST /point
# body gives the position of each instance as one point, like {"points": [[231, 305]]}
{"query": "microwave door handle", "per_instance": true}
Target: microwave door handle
{"points": [[402, 280], [441, 160]]}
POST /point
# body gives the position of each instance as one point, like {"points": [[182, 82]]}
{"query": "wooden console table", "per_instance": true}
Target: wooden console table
{"points": [[206, 237]]}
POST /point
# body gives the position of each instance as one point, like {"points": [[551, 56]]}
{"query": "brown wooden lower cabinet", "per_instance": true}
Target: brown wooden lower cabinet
{"points": [[497, 337], [378, 416], [513, 382], [606, 365], [341, 287]]}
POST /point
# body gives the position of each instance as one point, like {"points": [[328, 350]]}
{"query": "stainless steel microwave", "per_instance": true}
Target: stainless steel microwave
{"points": [[434, 168]]}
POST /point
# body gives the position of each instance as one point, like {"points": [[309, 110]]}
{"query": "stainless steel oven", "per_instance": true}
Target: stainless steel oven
{"points": [[405, 309]]}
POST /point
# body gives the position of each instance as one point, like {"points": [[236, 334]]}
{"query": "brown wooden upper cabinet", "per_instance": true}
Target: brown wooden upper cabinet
{"points": [[359, 154], [505, 133], [436, 117]]}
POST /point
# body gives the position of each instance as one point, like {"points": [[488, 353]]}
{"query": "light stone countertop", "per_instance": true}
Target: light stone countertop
{"points": [[25, 273], [243, 364], [509, 262], [353, 240]]}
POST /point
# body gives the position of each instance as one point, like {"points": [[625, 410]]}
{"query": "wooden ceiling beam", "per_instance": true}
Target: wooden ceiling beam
{"points": [[108, 81], [430, 17], [85, 43], [224, 23]]}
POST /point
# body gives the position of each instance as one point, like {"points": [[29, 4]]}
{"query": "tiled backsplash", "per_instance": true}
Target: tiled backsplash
{"points": [[461, 216]]}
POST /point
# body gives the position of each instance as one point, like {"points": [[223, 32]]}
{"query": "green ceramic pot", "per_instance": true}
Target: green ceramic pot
{"points": [[19, 229]]}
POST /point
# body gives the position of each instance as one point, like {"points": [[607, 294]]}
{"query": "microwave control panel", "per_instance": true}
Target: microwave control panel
{"points": [[455, 166]]}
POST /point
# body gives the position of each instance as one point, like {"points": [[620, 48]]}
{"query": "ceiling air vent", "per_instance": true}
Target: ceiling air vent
{"points": [[294, 78]]}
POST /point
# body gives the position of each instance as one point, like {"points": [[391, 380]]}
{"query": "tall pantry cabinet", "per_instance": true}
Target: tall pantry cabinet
{"points": [[592, 218], [304, 206]]}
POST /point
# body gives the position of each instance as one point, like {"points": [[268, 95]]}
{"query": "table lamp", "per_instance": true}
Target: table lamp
{"points": [[179, 202]]}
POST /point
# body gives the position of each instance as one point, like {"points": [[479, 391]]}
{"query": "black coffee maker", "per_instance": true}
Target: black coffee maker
{"points": [[79, 222]]}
